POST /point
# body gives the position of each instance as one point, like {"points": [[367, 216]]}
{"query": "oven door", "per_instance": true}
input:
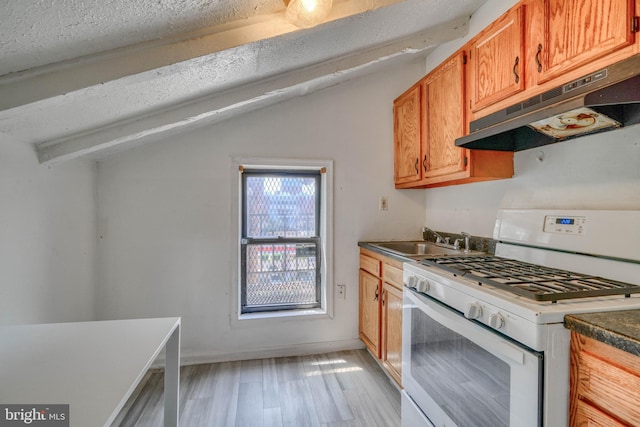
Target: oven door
{"points": [[462, 374]]}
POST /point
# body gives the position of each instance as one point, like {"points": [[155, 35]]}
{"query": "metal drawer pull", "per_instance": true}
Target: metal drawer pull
{"points": [[538, 53]]}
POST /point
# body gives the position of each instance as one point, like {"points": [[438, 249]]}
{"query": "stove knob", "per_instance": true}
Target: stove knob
{"points": [[411, 283], [473, 311], [496, 320], [422, 286]]}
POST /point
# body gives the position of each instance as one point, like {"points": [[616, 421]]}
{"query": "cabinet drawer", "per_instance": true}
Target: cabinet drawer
{"points": [[609, 387], [393, 275], [370, 264]]}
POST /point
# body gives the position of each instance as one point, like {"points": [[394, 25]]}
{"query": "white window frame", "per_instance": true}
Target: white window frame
{"points": [[326, 235]]}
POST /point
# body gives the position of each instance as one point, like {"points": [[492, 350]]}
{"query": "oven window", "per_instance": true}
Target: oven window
{"points": [[468, 383]]}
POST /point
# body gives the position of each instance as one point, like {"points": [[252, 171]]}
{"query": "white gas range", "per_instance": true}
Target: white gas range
{"points": [[483, 337]]}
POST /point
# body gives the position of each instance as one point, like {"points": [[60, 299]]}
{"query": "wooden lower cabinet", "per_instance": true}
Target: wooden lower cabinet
{"points": [[369, 293], [605, 384], [380, 312], [392, 331]]}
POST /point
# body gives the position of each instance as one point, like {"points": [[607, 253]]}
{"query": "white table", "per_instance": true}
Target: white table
{"points": [[92, 366]]}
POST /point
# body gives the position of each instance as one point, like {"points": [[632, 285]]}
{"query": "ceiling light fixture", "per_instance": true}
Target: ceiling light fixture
{"points": [[308, 13]]}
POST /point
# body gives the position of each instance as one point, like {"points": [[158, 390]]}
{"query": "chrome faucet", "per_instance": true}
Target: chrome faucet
{"points": [[456, 243], [466, 241], [439, 238]]}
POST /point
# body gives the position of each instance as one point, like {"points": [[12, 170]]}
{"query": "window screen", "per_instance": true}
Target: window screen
{"points": [[280, 244]]}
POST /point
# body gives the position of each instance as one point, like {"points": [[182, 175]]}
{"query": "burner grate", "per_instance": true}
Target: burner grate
{"points": [[530, 280]]}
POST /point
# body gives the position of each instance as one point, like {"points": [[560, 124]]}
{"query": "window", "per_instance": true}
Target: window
{"points": [[282, 239]]}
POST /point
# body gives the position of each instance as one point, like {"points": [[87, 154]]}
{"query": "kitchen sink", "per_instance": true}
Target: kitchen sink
{"points": [[420, 249]]}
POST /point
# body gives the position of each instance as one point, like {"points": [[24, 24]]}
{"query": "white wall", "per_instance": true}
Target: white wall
{"points": [[47, 238], [166, 246], [594, 172]]}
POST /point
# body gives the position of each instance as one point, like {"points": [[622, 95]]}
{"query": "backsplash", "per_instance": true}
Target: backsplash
{"points": [[476, 243]]}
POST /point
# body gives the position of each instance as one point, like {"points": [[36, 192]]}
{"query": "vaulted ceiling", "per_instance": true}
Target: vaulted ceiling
{"points": [[89, 77]]}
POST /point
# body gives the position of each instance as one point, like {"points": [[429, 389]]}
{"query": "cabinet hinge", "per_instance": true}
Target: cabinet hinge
{"points": [[635, 24]]}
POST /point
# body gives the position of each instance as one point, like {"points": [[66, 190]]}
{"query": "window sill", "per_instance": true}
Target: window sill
{"points": [[284, 313]]}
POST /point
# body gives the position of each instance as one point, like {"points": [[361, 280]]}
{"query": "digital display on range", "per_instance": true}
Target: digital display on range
{"points": [[565, 221]]}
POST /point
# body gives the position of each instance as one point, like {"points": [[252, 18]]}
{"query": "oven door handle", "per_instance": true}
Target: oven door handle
{"points": [[491, 341], [510, 352]]}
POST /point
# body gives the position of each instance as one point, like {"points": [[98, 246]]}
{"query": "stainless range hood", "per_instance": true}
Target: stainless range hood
{"points": [[604, 100]]}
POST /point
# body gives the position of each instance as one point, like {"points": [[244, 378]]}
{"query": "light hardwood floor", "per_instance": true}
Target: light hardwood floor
{"points": [[339, 389]]}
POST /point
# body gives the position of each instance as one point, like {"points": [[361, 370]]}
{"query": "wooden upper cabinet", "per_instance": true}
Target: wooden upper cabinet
{"points": [[407, 117], [572, 33], [496, 60], [444, 118], [425, 151]]}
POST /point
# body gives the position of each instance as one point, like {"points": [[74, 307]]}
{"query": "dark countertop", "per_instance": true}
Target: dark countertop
{"points": [[620, 329]]}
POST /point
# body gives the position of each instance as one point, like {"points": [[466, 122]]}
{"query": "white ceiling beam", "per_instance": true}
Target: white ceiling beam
{"points": [[28, 86], [244, 98], [99, 104]]}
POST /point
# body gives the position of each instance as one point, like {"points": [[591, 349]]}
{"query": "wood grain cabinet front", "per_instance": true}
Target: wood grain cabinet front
{"points": [[380, 312], [605, 384], [444, 120], [369, 316], [568, 34], [408, 146], [433, 160], [540, 45], [496, 60], [392, 330]]}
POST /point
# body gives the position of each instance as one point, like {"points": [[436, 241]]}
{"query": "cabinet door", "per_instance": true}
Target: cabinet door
{"points": [[392, 331], [496, 58], [444, 118], [407, 111], [369, 322], [576, 32], [604, 380]]}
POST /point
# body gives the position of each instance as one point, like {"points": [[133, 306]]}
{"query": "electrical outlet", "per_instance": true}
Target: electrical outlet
{"points": [[342, 291], [383, 203]]}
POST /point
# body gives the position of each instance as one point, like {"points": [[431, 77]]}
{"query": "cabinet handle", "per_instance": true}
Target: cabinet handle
{"points": [[424, 163], [416, 165], [538, 53], [384, 296], [515, 71], [375, 298]]}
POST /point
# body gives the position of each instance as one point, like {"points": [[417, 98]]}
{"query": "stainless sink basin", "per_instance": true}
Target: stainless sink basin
{"points": [[421, 249]]}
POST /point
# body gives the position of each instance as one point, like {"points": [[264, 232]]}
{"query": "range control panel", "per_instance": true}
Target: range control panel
{"points": [[575, 225]]}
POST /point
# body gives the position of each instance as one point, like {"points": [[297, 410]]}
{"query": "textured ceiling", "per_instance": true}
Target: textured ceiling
{"points": [[88, 77], [38, 32]]}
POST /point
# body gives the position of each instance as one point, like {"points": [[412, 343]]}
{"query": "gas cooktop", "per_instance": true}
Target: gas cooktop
{"points": [[530, 280]]}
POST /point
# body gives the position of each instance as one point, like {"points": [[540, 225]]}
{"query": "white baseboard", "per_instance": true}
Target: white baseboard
{"points": [[197, 358]]}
